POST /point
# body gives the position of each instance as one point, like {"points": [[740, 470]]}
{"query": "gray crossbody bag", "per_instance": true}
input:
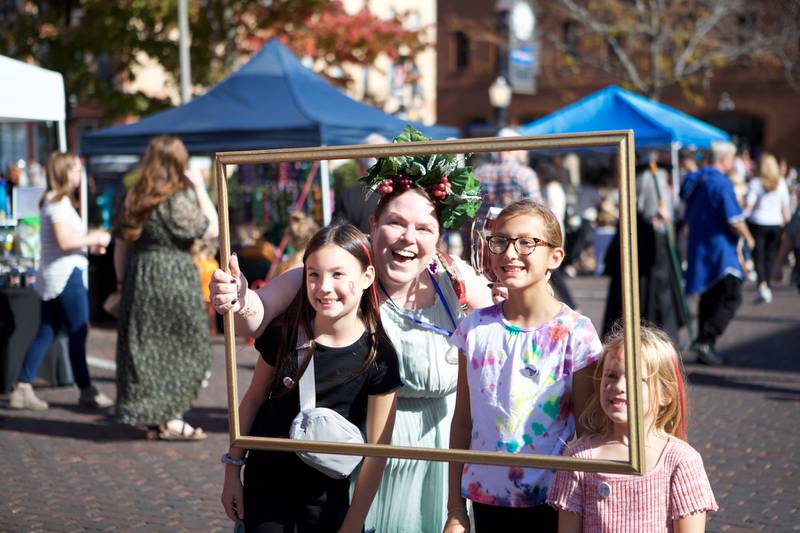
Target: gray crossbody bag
{"points": [[321, 424]]}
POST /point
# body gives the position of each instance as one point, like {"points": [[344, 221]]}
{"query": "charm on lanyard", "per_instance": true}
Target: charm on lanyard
{"points": [[530, 371]]}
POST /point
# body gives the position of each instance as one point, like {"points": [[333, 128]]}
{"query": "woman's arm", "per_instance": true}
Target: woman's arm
{"points": [[582, 390], [569, 522], [381, 410], [251, 312], [232, 491], [479, 294], [195, 179], [121, 251], [460, 431], [68, 241], [694, 523]]}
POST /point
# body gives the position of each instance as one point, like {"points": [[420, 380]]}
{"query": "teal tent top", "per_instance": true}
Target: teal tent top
{"points": [[272, 101], [613, 108]]}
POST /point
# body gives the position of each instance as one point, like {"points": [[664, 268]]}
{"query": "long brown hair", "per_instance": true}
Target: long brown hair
{"points": [[59, 165], [300, 313], [162, 173]]}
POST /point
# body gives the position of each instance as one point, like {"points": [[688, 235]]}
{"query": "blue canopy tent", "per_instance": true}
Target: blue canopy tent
{"points": [[654, 125], [273, 101], [613, 108]]}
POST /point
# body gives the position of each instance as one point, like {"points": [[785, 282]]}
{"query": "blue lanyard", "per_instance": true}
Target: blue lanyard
{"points": [[426, 325]]}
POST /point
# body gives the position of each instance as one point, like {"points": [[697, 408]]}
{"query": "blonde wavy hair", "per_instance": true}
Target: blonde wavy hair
{"points": [[769, 172], [665, 381]]}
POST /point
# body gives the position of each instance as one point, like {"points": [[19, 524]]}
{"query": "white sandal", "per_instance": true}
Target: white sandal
{"points": [[178, 430]]}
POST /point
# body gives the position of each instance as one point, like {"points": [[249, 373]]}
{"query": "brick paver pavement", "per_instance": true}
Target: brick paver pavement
{"points": [[71, 469]]}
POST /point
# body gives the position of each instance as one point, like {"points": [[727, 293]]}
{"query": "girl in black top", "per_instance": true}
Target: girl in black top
{"points": [[356, 373]]}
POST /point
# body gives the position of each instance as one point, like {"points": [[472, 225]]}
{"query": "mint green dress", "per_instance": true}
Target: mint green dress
{"points": [[412, 497]]}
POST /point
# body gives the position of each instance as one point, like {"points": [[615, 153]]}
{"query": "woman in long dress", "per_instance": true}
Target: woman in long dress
{"points": [[163, 346]]}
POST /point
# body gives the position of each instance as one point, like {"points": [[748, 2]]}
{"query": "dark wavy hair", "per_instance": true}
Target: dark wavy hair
{"points": [[300, 313]]}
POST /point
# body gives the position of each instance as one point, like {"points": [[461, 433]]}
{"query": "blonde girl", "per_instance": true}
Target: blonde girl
{"points": [[674, 493], [525, 365], [767, 208]]}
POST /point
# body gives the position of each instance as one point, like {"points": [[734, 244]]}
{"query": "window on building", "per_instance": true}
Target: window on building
{"points": [[571, 38], [461, 47]]}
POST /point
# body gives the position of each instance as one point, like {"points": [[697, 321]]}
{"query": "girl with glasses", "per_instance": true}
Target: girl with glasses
{"points": [[525, 366]]}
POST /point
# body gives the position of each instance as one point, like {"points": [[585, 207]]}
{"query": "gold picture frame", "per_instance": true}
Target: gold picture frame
{"points": [[622, 141]]}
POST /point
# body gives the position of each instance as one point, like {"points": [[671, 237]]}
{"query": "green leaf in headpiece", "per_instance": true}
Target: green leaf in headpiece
{"points": [[464, 198]]}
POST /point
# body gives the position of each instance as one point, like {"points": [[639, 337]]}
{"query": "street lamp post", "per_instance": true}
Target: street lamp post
{"points": [[500, 98]]}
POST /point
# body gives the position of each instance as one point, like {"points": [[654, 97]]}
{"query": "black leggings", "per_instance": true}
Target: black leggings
{"points": [[490, 518], [767, 240]]}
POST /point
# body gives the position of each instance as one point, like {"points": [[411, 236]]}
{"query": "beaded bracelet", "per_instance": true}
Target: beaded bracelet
{"points": [[228, 460]]}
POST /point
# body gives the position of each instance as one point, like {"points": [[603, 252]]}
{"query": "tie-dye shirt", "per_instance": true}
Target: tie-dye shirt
{"points": [[520, 390]]}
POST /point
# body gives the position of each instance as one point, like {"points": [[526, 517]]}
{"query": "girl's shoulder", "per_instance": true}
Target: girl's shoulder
{"points": [[679, 451], [484, 316], [577, 323], [57, 208], [580, 448]]}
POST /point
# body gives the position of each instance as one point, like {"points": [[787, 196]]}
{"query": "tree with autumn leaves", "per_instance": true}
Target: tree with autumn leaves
{"points": [[97, 44]]}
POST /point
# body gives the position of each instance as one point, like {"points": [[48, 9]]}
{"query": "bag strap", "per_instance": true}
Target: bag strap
{"points": [[306, 387]]}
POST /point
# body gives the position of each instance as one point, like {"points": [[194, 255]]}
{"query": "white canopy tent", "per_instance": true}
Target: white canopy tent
{"points": [[29, 93], [33, 94]]}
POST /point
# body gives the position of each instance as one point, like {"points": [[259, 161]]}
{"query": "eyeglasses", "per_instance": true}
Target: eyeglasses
{"points": [[523, 245]]}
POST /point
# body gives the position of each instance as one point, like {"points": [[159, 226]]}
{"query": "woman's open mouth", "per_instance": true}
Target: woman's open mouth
{"points": [[403, 256]]}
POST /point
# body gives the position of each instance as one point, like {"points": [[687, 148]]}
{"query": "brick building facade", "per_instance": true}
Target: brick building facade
{"points": [[753, 103]]}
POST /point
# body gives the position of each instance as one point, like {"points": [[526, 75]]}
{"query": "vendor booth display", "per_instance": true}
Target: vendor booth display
{"points": [[27, 94]]}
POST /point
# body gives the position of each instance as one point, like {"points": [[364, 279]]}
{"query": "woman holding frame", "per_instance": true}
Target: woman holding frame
{"points": [[423, 296]]}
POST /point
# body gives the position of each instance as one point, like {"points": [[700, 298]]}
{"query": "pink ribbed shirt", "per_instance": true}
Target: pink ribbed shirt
{"points": [[619, 503]]}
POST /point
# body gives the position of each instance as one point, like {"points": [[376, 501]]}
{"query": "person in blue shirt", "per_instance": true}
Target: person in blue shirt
{"points": [[716, 224]]}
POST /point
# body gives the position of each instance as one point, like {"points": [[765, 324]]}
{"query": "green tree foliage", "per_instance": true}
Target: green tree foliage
{"points": [[97, 44]]}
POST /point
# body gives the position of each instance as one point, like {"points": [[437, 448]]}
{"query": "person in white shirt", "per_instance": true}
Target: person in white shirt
{"points": [[65, 299], [767, 208]]}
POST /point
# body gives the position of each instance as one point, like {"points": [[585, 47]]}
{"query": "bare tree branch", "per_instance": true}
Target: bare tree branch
{"points": [[587, 19], [702, 29]]}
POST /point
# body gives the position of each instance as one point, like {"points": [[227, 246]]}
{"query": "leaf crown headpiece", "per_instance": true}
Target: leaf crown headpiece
{"points": [[452, 186]]}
